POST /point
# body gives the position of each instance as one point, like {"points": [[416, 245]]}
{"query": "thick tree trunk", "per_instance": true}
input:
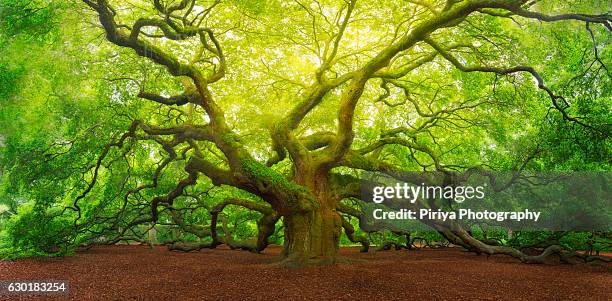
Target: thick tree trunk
{"points": [[152, 234], [312, 236]]}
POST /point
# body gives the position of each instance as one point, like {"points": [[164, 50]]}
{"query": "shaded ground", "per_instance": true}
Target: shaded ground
{"points": [[137, 272]]}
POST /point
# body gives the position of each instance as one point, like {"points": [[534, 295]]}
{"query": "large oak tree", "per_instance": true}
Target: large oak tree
{"points": [[288, 102]]}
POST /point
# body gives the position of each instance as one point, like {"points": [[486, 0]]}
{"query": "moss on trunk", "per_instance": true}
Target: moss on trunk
{"points": [[313, 235]]}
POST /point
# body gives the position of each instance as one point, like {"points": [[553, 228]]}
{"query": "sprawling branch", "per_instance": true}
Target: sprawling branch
{"points": [[116, 34], [355, 88], [505, 71], [265, 225], [604, 19], [177, 100]]}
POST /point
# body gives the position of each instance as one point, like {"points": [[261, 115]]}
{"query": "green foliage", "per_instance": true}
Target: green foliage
{"points": [[35, 19], [571, 240], [65, 93], [255, 7], [9, 79], [36, 232]]}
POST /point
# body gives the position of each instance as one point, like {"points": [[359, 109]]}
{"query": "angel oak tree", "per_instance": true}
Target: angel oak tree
{"points": [[336, 83]]}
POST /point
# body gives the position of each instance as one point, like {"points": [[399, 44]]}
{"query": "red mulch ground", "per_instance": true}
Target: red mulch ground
{"points": [[140, 273]]}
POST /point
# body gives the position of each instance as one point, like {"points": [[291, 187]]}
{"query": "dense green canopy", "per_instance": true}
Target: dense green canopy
{"points": [[117, 116]]}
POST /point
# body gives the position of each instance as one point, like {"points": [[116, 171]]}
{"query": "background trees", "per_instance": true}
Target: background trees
{"points": [[162, 113]]}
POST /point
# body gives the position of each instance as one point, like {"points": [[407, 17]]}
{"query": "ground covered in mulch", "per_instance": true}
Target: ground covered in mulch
{"points": [[141, 273]]}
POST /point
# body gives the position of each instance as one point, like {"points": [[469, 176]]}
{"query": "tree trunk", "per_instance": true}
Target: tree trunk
{"points": [[152, 233], [312, 236]]}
